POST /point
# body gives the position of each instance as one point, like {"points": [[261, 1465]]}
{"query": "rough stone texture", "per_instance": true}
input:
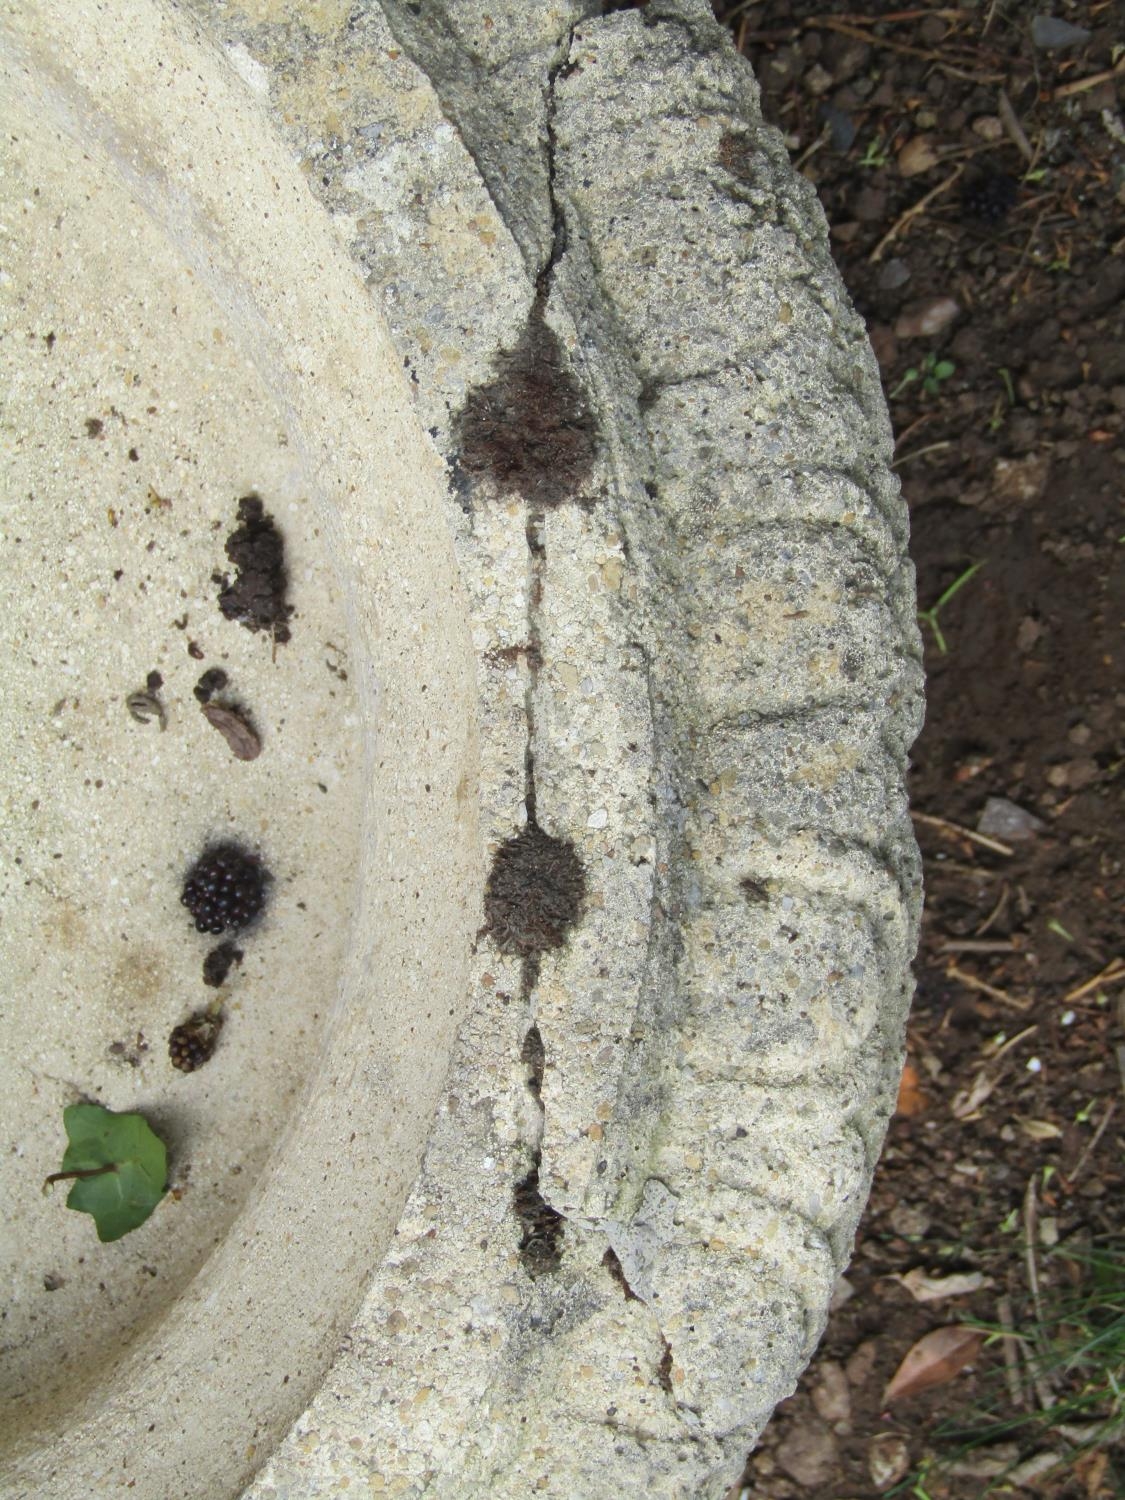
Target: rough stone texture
{"points": [[704, 673]]}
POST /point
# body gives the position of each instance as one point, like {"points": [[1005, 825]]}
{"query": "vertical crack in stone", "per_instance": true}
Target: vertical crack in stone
{"points": [[612, 1263], [541, 1241], [664, 1368], [537, 562], [558, 221], [540, 1248], [530, 429], [533, 1054]]}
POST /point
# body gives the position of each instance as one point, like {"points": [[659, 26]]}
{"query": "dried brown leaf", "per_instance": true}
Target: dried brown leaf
{"points": [[935, 1359], [911, 1097], [1040, 1130], [244, 743], [918, 155], [966, 1102], [926, 1288]]}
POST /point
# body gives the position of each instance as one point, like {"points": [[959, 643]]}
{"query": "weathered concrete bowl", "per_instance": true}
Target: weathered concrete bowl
{"points": [[180, 329], [554, 1073]]}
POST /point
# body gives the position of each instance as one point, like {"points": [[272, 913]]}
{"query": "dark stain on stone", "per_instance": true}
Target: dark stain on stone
{"points": [[756, 892], [213, 681], [540, 1249], [529, 430], [738, 156], [218, 964], [612, 1263], [664, 1368], [534, 894], [534, 1056]]}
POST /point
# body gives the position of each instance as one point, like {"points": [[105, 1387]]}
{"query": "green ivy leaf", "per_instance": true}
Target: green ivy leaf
{"points": [[121, 1165]]}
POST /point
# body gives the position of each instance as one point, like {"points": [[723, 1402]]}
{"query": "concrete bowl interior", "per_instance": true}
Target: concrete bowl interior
{"points": [[180, 330]]}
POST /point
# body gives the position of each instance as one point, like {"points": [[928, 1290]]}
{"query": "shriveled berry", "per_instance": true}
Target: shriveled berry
{"points": [[225, 888], [218, 964], [193, 1042], [213, 681]]}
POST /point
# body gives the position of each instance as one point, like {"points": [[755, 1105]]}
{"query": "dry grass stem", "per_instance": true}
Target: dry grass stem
{"points": [[1091, 1144], [971, 982], [912, 213], [975, 945], [918, 452], [1080, 85], [966, 833], [997, 911], [1013, 127], [1010, 1347], [1113, 972]]}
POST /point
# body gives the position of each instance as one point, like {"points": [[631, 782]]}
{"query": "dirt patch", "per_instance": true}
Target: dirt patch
{"points": [[257, 596]]}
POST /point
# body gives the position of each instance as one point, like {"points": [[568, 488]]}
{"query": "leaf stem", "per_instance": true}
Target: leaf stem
{"points": [[110, 1166]]}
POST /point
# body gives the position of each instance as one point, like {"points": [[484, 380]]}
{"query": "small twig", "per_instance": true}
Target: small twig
{"points": [[996, 913], [955, 867], [1010, 277], [912, 213], [965, 833], [1091, 1144], [1030, 1228], [919, 421], [976, 945], [832, 23], [1113, 971], [970, 981], [81, 1174], [1031, 1235], [1010, 1346], [1014, 1041], [1013, 127], [821, 140], [948, 14], [1068, 90], [918, 452]]}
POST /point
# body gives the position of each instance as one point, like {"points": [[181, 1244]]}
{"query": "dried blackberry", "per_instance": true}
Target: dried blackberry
{"points": [[193, 1042], [218, 964], [213, 681], [989, 198], [225, 888]]}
